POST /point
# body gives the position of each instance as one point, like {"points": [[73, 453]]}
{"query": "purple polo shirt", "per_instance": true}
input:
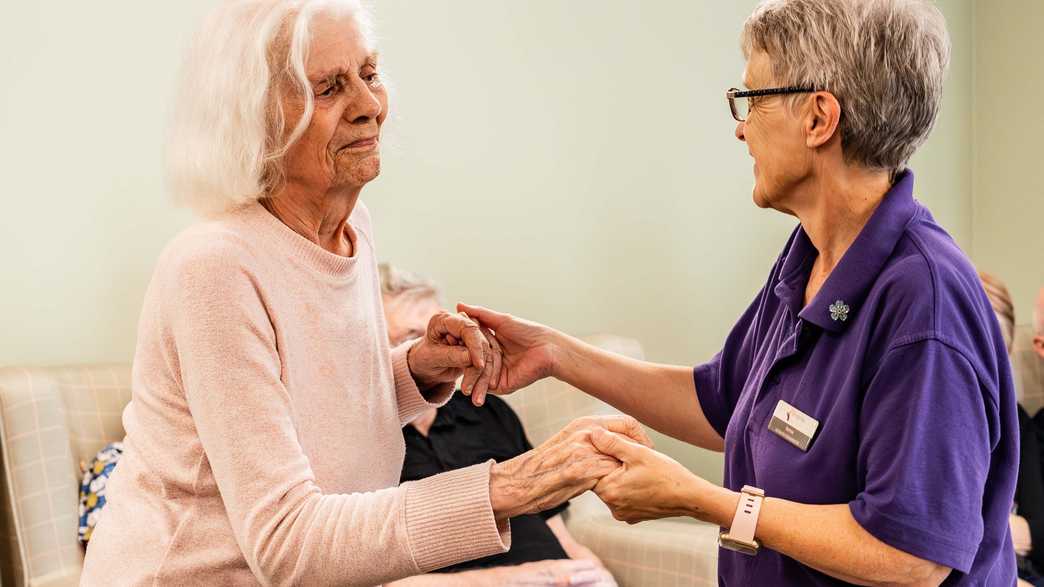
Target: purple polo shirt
{"points": [[901, 360]]}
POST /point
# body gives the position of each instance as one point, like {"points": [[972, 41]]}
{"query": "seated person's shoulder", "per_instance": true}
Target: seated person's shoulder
{"points": [[212, 251]]}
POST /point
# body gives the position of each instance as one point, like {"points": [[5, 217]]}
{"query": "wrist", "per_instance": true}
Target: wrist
{"points": [[564, 353], [711, 503], [422, 383], [504, 493]]}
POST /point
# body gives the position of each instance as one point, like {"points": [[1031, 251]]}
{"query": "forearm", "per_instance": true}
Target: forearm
{"points": [[824, 537], [662, 397]]}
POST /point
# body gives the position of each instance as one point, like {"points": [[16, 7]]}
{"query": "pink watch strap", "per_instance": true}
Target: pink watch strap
{"points": [[745, 522]]}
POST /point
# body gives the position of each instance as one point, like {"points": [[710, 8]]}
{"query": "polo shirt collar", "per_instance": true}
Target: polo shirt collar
{"points": [[839, 299]]}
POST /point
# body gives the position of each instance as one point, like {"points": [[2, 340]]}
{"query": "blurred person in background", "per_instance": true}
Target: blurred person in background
{"points": [[461, 434], [1027, 518]]}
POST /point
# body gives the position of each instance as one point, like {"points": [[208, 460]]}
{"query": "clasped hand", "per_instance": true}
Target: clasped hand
{"points": [[611, 455]]}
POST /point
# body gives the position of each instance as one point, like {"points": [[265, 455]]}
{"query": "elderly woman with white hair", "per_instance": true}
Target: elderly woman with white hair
{"points": [[864, 400], [264, 439]]}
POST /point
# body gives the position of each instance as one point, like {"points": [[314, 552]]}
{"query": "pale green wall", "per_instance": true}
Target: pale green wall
{"points": [[569, 161], [574, 163], [1008, 211]]}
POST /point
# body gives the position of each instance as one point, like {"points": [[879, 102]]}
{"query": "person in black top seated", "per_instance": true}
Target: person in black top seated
{"points": [[1026, 523], [460, 434]]}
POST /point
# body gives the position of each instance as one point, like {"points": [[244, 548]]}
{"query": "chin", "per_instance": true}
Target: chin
{"points": [[761, 200], [362, 172]]}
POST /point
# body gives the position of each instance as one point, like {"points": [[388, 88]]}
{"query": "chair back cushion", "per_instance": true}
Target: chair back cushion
{"points": [[51, 419]]}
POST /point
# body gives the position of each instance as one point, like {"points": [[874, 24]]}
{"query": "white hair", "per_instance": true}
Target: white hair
{"points": [[228, 133], [884, 61]]}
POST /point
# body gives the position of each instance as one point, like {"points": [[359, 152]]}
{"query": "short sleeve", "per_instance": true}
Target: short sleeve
{"points": [[926, 432], [720, 380]]}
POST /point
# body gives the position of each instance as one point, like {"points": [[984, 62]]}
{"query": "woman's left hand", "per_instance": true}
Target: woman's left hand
{"points": [[648, 485], [455, 345]]}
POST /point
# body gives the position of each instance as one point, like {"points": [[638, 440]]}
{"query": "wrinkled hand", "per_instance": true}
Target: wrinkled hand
{"points": [[528, 347], [553, 573], [561, 468], [455, 345], [648, 485]]}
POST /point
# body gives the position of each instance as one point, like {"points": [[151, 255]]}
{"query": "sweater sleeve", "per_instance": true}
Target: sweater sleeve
{"points": [[411, 401], [223, 350]]}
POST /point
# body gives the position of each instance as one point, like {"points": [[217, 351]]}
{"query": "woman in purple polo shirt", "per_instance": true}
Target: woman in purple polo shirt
{"points": [[864, 400]]}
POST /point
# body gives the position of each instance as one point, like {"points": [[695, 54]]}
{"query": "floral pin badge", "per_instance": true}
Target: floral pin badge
{"points": [[839, 311]]}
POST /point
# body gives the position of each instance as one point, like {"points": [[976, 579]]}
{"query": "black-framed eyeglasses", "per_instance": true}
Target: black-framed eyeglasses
{"points": [[739, 100]]}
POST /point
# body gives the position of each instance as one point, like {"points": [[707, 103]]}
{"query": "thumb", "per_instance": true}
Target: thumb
{"points": [[485, 316], [615, 445]]}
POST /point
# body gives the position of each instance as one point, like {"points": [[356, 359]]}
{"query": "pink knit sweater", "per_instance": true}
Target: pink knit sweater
{"points": [[263, 437]]}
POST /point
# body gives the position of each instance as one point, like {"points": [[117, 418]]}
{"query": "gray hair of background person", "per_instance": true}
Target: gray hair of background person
{"points": [[884, 61], [229, 132], [1003, 307], [399, 284]]}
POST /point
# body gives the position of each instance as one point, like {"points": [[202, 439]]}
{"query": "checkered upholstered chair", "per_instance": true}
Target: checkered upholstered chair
{"points": [[50, 420]]}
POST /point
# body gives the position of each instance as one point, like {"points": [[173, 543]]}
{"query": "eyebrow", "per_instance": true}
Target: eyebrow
{"points": [[371, 60]]}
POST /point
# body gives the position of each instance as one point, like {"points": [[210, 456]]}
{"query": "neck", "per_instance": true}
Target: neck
{"points": [[837, 205], [321, 218]]}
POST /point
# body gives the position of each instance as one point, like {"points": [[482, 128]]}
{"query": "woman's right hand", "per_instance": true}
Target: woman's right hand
{"points": [[554, 573], [529, 349], [561, 468]]}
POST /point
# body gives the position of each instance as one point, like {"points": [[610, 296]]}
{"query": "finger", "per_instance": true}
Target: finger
{"points": [[489, 318], [588, 578], [498, 358], [465, 330], [450, 357], [472, 337], [471, 375], [616, 445], [627, 426], [478, 397]]}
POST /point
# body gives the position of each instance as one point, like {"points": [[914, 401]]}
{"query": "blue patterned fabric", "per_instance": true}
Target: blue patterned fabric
{"points": [[92, 488]]}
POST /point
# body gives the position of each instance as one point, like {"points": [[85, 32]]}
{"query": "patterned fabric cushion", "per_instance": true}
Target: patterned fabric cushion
{"points": [[92, 489]]}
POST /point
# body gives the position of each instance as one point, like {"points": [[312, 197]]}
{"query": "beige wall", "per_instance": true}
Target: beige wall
{"points": [[572, 162], [1008, 210]]}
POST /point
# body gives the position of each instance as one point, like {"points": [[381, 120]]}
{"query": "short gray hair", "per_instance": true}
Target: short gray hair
{"points": [[228, 133], [396, 283], [884, 61]]}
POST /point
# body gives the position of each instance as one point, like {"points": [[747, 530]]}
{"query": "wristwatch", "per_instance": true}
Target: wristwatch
{"points": [[740, 537]]}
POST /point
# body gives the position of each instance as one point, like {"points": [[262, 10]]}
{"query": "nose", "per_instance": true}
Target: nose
{"points": [[363, 107], [741, 131]]}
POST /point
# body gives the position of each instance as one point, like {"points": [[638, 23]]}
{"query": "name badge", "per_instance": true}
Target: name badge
{"points": [[793, 425]]}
